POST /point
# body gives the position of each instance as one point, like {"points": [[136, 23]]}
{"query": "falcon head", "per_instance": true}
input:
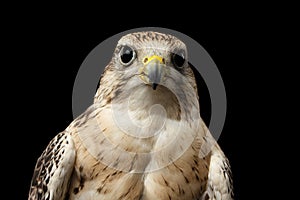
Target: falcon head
{"points": [[151, 56], [154, 66]]}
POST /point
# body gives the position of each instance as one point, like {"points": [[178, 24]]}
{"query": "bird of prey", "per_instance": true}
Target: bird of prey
{"points": [[142, 138]]}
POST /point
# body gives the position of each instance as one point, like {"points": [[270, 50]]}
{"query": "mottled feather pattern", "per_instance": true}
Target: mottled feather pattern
{"points": [[86, 161], [55, 163]]}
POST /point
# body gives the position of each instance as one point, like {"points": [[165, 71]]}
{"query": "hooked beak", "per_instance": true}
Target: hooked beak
{"points": [[153, 70]]}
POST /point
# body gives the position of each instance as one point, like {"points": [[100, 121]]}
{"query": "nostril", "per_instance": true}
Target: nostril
{"points": [[145, 60]]}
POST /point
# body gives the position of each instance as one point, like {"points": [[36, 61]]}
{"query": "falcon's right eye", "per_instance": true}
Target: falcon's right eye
{"points": [[127, 55]]}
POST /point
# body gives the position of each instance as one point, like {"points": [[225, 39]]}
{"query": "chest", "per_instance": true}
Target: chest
{"points": [[127, 161], [184, 178]]}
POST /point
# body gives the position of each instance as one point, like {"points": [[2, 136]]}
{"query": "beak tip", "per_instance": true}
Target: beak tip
{"points": [[154, 85]]}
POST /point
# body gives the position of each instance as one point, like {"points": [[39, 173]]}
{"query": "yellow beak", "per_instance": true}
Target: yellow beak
{"points": [[153, 70]]}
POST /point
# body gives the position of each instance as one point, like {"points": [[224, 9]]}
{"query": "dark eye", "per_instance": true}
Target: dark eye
{"points": [[127, 55], [178, 58]]}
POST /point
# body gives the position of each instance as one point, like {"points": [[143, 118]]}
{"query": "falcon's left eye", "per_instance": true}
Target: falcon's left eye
{"points": [[127, 55], [178, 58]]}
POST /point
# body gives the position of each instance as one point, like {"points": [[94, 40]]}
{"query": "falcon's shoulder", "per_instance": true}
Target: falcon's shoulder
{"points": [[219, 182], [53, 169]]}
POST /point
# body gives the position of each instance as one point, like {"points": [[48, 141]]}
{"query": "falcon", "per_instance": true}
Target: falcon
{"points": [[142, 138]]}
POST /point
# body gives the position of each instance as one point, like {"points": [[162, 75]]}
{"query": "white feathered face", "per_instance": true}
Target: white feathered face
{"points": [[151, 59], [151, 63]]}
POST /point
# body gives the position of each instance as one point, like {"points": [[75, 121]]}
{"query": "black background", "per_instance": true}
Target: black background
{"points": [[45, 50]]}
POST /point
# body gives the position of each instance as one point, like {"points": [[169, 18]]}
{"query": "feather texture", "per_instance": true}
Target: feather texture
{"points": [[53, 169]]}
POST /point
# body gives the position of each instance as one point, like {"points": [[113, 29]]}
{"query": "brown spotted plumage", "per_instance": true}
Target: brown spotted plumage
{"points": [[143, 138]]}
